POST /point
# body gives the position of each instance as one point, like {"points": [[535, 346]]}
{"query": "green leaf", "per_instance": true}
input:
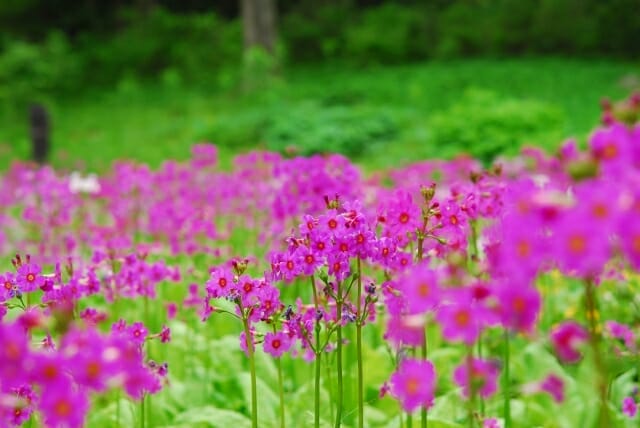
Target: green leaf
{"points": [[209, 416]]}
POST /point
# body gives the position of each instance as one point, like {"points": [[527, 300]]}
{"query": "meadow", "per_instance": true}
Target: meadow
{"points": [[292, 289], [378, 115]]}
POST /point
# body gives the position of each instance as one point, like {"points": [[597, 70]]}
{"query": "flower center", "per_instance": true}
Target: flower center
{"points": [[577, 244], [424, 290], [610, 151], [62, 408], [600, 211], [462, 318], [523, 249], [413, 386]]}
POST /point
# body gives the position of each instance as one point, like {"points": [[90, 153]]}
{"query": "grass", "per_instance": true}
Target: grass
{"points": [[152, 122]]}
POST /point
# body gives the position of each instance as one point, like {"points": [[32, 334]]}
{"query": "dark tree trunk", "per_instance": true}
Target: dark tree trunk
{"points": [[40, 130], [259, 24]]}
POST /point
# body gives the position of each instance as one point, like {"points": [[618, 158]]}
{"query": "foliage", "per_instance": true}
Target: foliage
{"points": [[152, 121], [30, 71], [485, 125], [310, 128]]}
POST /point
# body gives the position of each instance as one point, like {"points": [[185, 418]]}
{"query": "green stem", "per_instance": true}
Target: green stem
{"points": [[506, 387], [479, 351], [424, 411], [142, 412], [471, 405], [339, 302], [318, 362], [359, 319], [280, 387], [118, 409], [252, 368], [594, 340]]}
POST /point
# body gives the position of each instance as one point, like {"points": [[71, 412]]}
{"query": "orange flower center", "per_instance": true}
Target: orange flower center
{"points": [[462, 318], [610, 151], [31, 277], [424, 290], [413, 386], [93, 369], [600, 211], [276, 343], [62, 408], [577, 244], [519, 305], [523, 249]]}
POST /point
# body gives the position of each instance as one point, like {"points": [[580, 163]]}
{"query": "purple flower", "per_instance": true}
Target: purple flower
{"points": [[629, 407]]}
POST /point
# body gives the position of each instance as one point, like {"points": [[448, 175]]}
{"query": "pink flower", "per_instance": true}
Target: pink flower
{"points": [[137, 332], [172, 310], [482, 373], [461, 320], [419, 286], [165, 334], [518, 306], [623, 332], [414, 384], [553, 385], [8, 286], [490, 423], [406, 330], [29, 278], [629, 407], [63, 405], [565, 338], [276, 344]]}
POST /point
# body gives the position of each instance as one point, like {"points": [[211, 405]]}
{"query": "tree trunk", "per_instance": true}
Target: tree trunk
{"points": [[259, 24]]}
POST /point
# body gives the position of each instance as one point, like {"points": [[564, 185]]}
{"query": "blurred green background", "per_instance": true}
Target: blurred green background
{"points": [[384, 82]]}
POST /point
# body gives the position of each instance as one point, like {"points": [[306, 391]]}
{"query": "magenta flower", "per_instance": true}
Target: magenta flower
{"points": [[8, 286], [461, 321], [566, 338], [62, 405], [165, 334], [518, 306], [406, 330], [578, 247], [137, 332], [420, 289], [490, 423], [413, 383], [622, 332], [629, 407], [276, 344], [480, 375], [29, 278], [553, 385]]}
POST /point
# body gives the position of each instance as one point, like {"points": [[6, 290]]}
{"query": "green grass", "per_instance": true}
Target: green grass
{"points": [[152, 122]]}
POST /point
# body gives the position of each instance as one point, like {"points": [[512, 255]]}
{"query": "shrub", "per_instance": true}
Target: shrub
{"points": [[30, 71], [312, 128], [485, 125]]}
